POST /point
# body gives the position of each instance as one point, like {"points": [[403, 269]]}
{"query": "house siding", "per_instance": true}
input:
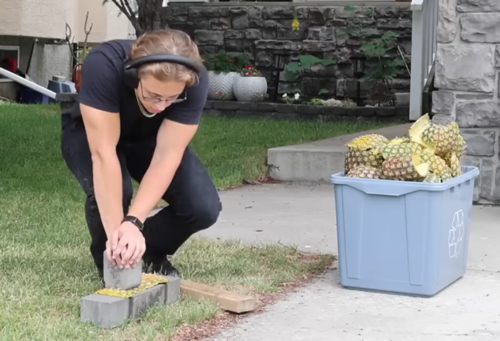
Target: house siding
{"points": [[22, 21]]}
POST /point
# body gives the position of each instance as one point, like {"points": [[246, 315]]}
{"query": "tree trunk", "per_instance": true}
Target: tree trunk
{"points": [[149, 15]]}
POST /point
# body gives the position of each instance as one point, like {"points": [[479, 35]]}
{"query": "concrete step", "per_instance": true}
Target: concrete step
{"points": [[317, 161]]}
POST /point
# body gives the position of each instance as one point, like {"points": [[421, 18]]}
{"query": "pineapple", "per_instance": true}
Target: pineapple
{"points": [[418, 128], [446, 177], [407, 147], [431, 154], [366, 172], [437, 165], [453, 158], [455, 166], [460, 147], [443, 138], [366, 142], [399, 140], [409, 167], [356, 157], [433, 178]]}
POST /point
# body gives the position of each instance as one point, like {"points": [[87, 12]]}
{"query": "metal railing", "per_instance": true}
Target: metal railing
{"points": [[423, 50], [27, 83]]}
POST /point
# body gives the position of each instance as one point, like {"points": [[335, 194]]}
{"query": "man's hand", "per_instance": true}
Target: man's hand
{"points": [[127, 246]]}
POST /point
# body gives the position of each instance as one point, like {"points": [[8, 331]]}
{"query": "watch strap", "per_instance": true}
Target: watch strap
{"points": [[134, 220]]}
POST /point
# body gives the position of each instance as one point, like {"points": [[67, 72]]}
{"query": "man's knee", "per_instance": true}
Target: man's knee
{"points": [[206, 213]]}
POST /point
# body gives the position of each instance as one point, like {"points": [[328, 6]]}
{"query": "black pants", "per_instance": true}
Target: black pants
{"points": [[193, 200]]}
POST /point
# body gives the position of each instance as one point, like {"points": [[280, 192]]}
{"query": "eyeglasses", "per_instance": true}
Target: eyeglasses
{"points": [[159, 99]]}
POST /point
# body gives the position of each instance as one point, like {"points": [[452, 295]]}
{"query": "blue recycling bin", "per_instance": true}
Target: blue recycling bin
{"points": [[403, 237], [30, 96], [59, 86]]}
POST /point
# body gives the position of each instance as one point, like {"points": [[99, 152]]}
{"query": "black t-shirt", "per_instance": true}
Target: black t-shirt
{"points": [[103, 87]]}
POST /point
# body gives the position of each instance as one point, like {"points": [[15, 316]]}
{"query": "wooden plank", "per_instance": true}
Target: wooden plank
{"points": [[227, 300]]}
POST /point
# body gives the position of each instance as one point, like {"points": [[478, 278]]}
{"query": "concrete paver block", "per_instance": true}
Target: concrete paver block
{"points": [[117, 278], [172, 289], [105, 311], [110, 307], [142, 301]]}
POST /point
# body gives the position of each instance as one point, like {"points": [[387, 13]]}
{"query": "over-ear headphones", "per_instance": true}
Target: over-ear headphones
{"points": [[131, 73]]}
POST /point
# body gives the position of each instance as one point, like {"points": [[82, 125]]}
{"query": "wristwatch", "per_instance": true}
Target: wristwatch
{"points": [[135, 221]]}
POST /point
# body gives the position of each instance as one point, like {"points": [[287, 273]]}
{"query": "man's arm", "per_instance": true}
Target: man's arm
{"points": [[100, 105], [103, 132], [174, 136], [173, 139]]}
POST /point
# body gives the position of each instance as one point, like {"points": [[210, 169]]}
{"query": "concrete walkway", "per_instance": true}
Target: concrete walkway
{"points": [[304, 215]]}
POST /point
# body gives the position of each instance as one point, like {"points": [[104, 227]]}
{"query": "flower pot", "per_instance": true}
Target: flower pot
{"points": [[220, 85], [402, 98], [77, 76], [250, 89]]}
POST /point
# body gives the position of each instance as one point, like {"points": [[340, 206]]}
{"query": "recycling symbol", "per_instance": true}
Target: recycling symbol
{"points": [[456, 234]]}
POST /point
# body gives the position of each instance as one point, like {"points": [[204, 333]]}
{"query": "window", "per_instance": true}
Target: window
{"points": [[8, 54]]}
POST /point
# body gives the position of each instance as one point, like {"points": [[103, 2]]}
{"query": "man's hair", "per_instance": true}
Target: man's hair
{"points": [[167, 41]]}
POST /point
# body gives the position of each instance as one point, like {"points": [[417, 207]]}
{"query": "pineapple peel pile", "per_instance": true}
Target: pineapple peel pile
{"points": [[432, 153], [148, 281]]}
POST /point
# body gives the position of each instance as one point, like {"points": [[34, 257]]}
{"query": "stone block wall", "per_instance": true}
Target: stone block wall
{"points": [[467, 79], [263, 30]]}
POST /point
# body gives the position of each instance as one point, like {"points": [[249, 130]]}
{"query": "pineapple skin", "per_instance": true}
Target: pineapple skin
{"points": [[148, 281], [401, 167], [365, 172], [455, 166], [356, 157], [437, 165], [443, 137], [460, 147], [432, 178], [368, 141], [438, 148], [404, 148]]}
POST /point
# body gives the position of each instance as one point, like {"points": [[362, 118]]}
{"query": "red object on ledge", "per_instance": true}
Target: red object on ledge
{"points": [[77, 76], [10, 64]]}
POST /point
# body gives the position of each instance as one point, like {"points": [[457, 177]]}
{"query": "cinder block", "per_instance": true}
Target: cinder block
{"points": [[172, 289], [144, 300], [105, 311], [117, 278]]}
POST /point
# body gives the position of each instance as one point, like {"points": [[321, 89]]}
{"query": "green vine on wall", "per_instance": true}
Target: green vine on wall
{"points": [[294, 71], [381, 54], [384, 67], [221, 61]]}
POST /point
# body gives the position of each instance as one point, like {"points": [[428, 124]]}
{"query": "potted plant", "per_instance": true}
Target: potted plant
{"points": [[251, 86], [77, 70], [80, 55], [222, 72]]}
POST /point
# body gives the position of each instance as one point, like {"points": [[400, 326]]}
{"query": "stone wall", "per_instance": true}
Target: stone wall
{"points": [[264, 30], [467, 68]]}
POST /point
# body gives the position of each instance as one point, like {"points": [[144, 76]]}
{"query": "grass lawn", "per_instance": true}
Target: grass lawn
{"points": [[236, 149], [45, 265]]}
